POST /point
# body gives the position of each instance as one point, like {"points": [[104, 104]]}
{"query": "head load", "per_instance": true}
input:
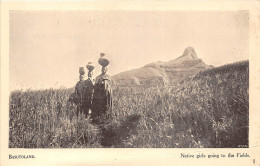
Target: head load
{"points": [[90, 66], [81, 70], [103, 61]]}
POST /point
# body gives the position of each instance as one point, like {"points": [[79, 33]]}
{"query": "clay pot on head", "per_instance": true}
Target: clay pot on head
{"points": [[81, 70], [90, 66], [103, 61]]}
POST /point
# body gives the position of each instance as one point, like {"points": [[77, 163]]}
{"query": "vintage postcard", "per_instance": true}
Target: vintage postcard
{"points": [[130, 83]]}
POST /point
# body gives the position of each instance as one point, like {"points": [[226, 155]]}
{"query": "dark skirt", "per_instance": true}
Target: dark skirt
{"points": [[83, 108], [100, 108]]}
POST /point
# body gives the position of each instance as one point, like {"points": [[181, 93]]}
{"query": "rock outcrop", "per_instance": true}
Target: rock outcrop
{"points": [[188, 64]]}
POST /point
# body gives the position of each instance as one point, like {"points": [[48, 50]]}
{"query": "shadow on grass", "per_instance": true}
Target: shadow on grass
{"points": [[114, 133]]}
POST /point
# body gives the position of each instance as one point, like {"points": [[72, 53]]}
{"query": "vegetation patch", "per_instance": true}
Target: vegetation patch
{"points": [[209, 110]]}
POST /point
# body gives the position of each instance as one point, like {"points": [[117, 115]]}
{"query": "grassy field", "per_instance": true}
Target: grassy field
{"points": [[210, 109]]}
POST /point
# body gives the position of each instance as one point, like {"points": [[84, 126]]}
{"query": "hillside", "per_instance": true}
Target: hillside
{"points": [[164, 72], [209, 110], [215, 104]]}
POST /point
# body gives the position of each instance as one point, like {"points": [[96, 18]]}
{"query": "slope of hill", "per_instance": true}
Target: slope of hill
{"points": [[164, 72], [209, 110], [215, 104]]}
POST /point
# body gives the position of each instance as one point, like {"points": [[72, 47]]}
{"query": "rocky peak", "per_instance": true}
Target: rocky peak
{"points": [[188, 64], [190, 53]]}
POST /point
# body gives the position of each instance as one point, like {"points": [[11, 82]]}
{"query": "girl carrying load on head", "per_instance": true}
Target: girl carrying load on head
{"points": [[102, 99]]}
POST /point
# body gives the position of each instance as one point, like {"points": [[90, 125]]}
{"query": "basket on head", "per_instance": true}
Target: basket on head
{"points": [[81, 70], [90, 66], [103, 61]]}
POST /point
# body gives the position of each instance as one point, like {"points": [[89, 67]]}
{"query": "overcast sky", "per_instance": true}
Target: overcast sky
{"points": [[48, 47]]}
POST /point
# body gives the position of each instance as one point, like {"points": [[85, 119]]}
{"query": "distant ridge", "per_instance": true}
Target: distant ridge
{"points": [[188, 64]]}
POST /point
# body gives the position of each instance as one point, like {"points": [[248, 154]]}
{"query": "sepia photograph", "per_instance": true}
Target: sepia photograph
{"points": [[101, 83], [129, 79]]}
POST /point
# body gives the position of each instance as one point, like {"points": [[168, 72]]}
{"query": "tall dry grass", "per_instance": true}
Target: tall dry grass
{"points": [[208, 110]]}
